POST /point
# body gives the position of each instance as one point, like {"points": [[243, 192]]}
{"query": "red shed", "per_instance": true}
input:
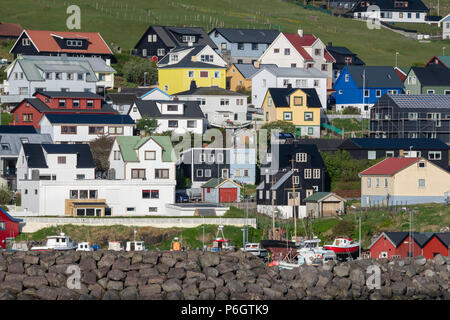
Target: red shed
{"points": [[397, 245], [9, 227], [439, 243]]}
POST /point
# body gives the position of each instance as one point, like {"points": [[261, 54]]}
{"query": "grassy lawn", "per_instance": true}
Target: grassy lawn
{"points": [[7, 118], [122, 23]]}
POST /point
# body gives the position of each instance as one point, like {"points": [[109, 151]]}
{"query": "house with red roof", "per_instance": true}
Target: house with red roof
{"points": [[60, 43], [403, 181], [10, 31], [9, 227], [299, 50]]}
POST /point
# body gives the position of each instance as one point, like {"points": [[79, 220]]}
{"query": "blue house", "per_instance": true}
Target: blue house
{"points": [[362, 86], [242, 45], [243, 165]]}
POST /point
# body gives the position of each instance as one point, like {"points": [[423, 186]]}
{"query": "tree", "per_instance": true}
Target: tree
{"points": [[147, 124], [101, 148], [6, 195], [134, 70]]}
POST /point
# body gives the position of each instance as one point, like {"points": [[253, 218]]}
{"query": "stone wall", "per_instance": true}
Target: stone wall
{"points": [[203, 275]]}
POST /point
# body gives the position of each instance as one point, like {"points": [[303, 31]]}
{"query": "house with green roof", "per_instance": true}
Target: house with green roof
{"points": [[324, 204], [442, 61], [217, 190]]}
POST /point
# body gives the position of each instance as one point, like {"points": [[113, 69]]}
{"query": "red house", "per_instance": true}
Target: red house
{"points": [[397, 245], [9, 227], [439, 243], [30, 110]]}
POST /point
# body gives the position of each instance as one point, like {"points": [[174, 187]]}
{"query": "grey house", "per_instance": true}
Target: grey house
{"points": [[11, 143]]}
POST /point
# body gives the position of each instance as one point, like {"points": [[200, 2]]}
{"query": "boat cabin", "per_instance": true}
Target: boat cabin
{"points": [[87, 246], [135, 246], [115, 246], [221, 244]]}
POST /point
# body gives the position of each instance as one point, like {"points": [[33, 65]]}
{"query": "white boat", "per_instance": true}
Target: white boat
{"points": [[115, 246], [344, 247], [59, 242], [86, 246], [135, 246], [19, 246], [255, 249]]}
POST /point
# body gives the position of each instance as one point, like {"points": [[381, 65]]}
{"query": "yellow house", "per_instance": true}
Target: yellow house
{"points": [[239, 75], [181, 66], [302, 107], [402, 181]]}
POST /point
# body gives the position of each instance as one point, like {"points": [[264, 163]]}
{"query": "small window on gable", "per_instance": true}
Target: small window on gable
{"points": [[422, 164]]}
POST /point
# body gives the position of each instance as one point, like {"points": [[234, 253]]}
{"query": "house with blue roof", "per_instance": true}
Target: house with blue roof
{"points": [[361, 86], [434, 150], [82, 128], [242, 45]]}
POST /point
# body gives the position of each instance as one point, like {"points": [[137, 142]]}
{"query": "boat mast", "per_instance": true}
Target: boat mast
{"points": [[273, 210], [294, 214]]}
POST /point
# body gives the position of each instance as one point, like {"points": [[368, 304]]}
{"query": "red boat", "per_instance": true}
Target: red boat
{"points": [[344, 247]]}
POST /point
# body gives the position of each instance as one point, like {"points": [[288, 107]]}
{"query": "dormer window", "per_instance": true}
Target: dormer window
{"points": [[172, 107], [74, 43], [301, 157], [174, 57], [188, 39]]}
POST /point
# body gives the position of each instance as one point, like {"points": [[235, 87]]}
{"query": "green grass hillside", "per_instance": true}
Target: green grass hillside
{"points": [[123, 22]]}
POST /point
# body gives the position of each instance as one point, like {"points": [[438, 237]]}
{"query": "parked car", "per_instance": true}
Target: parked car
{"points": [[181, 197]]}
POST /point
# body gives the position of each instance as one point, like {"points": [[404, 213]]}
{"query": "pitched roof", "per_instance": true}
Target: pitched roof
{"points": [[395, 143], [36, 157], [43, 108], [150, 109], [375, 76], [187, 62], [121, 98], [44, 41], [209, 91], [316, 196], [248, 69], [216, 182], [17, 129], [287, 151], [97, 64], [281, 97], [415, 101], [444, 59], [339, 53], [169, 35], [389, 166], [387, 5], [421, 238], [396, 237], [247, 35], [432, 76], [306, 40], [10, 29], [129, 146], [9, 216], [14, 141], [68, 94], [444, 237], [88, 118]]}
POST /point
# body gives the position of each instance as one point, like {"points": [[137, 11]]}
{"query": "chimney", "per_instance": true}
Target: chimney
{"points": [[256, 64], [193, 85], [300, 32]]}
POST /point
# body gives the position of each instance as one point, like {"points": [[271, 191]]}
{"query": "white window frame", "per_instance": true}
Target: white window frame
{"points": [[307, 174]]}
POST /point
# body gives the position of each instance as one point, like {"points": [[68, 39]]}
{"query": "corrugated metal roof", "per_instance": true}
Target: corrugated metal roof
{"points": [[420, 100]]}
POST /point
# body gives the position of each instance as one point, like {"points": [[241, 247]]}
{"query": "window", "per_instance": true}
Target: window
{"points": [[80, 76], [377, 182], [145, 194], [161, 173], [68, 130], [366, 93], [26, 42], [340, 91], [308, 116], [202, 101], [269, 101], [62, 103], [240, 46], [316, 173], [173, 57], [434, 155], [90, 103], [298, 101], [27, 117], [115, 130], [130, 209], [217, 74], [116, 155], [173, 123], [65, 89], [412, 116], [254, 46], [237, 173], [369, 182], [58, 75], [96, 130], [307, 173], [276, 50], [191, 123], [371, 155], [324, 67], [199, 173], [239, 102], [293, 65], [310, 131], [93, 194], [378, 93], [430, 91], [190, 74], [152, 209], [172, 107], [160, 52], [301, 157], [5, 146], [421, 164], [287, 116], [48, 76], [385, 182], [137, 173], [166, 87], [74, 43], [150, 155], [287, 51], [224, 101], [317, 52], [70, 76], [389, 154], [207, 173], [206, 58], [225, 173], [24, 140], [296, 179], [421, 183], [144, 52], [73, 194], [204, 74], [61, 160], [75, 103], [220, 157]]}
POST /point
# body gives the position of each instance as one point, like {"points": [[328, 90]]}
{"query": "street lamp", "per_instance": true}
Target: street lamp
{"points": [[145, 83], [396, 54]]}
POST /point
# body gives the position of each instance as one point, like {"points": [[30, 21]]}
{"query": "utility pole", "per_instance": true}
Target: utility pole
{"points": [[294, 208]]}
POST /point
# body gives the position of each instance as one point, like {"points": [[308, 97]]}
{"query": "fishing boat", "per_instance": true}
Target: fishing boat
{"points": [[18, 246], [221, 243], [344, 247], [60, 242], [312, 253], [115, 246], [87, 246], [255, 249]]}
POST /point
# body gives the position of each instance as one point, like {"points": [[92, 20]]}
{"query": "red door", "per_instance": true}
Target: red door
{"points": [[227, 194]]}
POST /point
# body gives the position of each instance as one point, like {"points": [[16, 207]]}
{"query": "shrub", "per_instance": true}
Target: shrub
{"points": [[351, 110]]}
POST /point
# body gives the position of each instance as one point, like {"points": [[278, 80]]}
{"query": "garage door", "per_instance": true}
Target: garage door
{"points": [[228, 194], [329, 208]]}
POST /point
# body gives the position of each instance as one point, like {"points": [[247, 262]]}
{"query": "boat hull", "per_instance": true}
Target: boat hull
{"points": [[352, 251], [280, 249]]}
